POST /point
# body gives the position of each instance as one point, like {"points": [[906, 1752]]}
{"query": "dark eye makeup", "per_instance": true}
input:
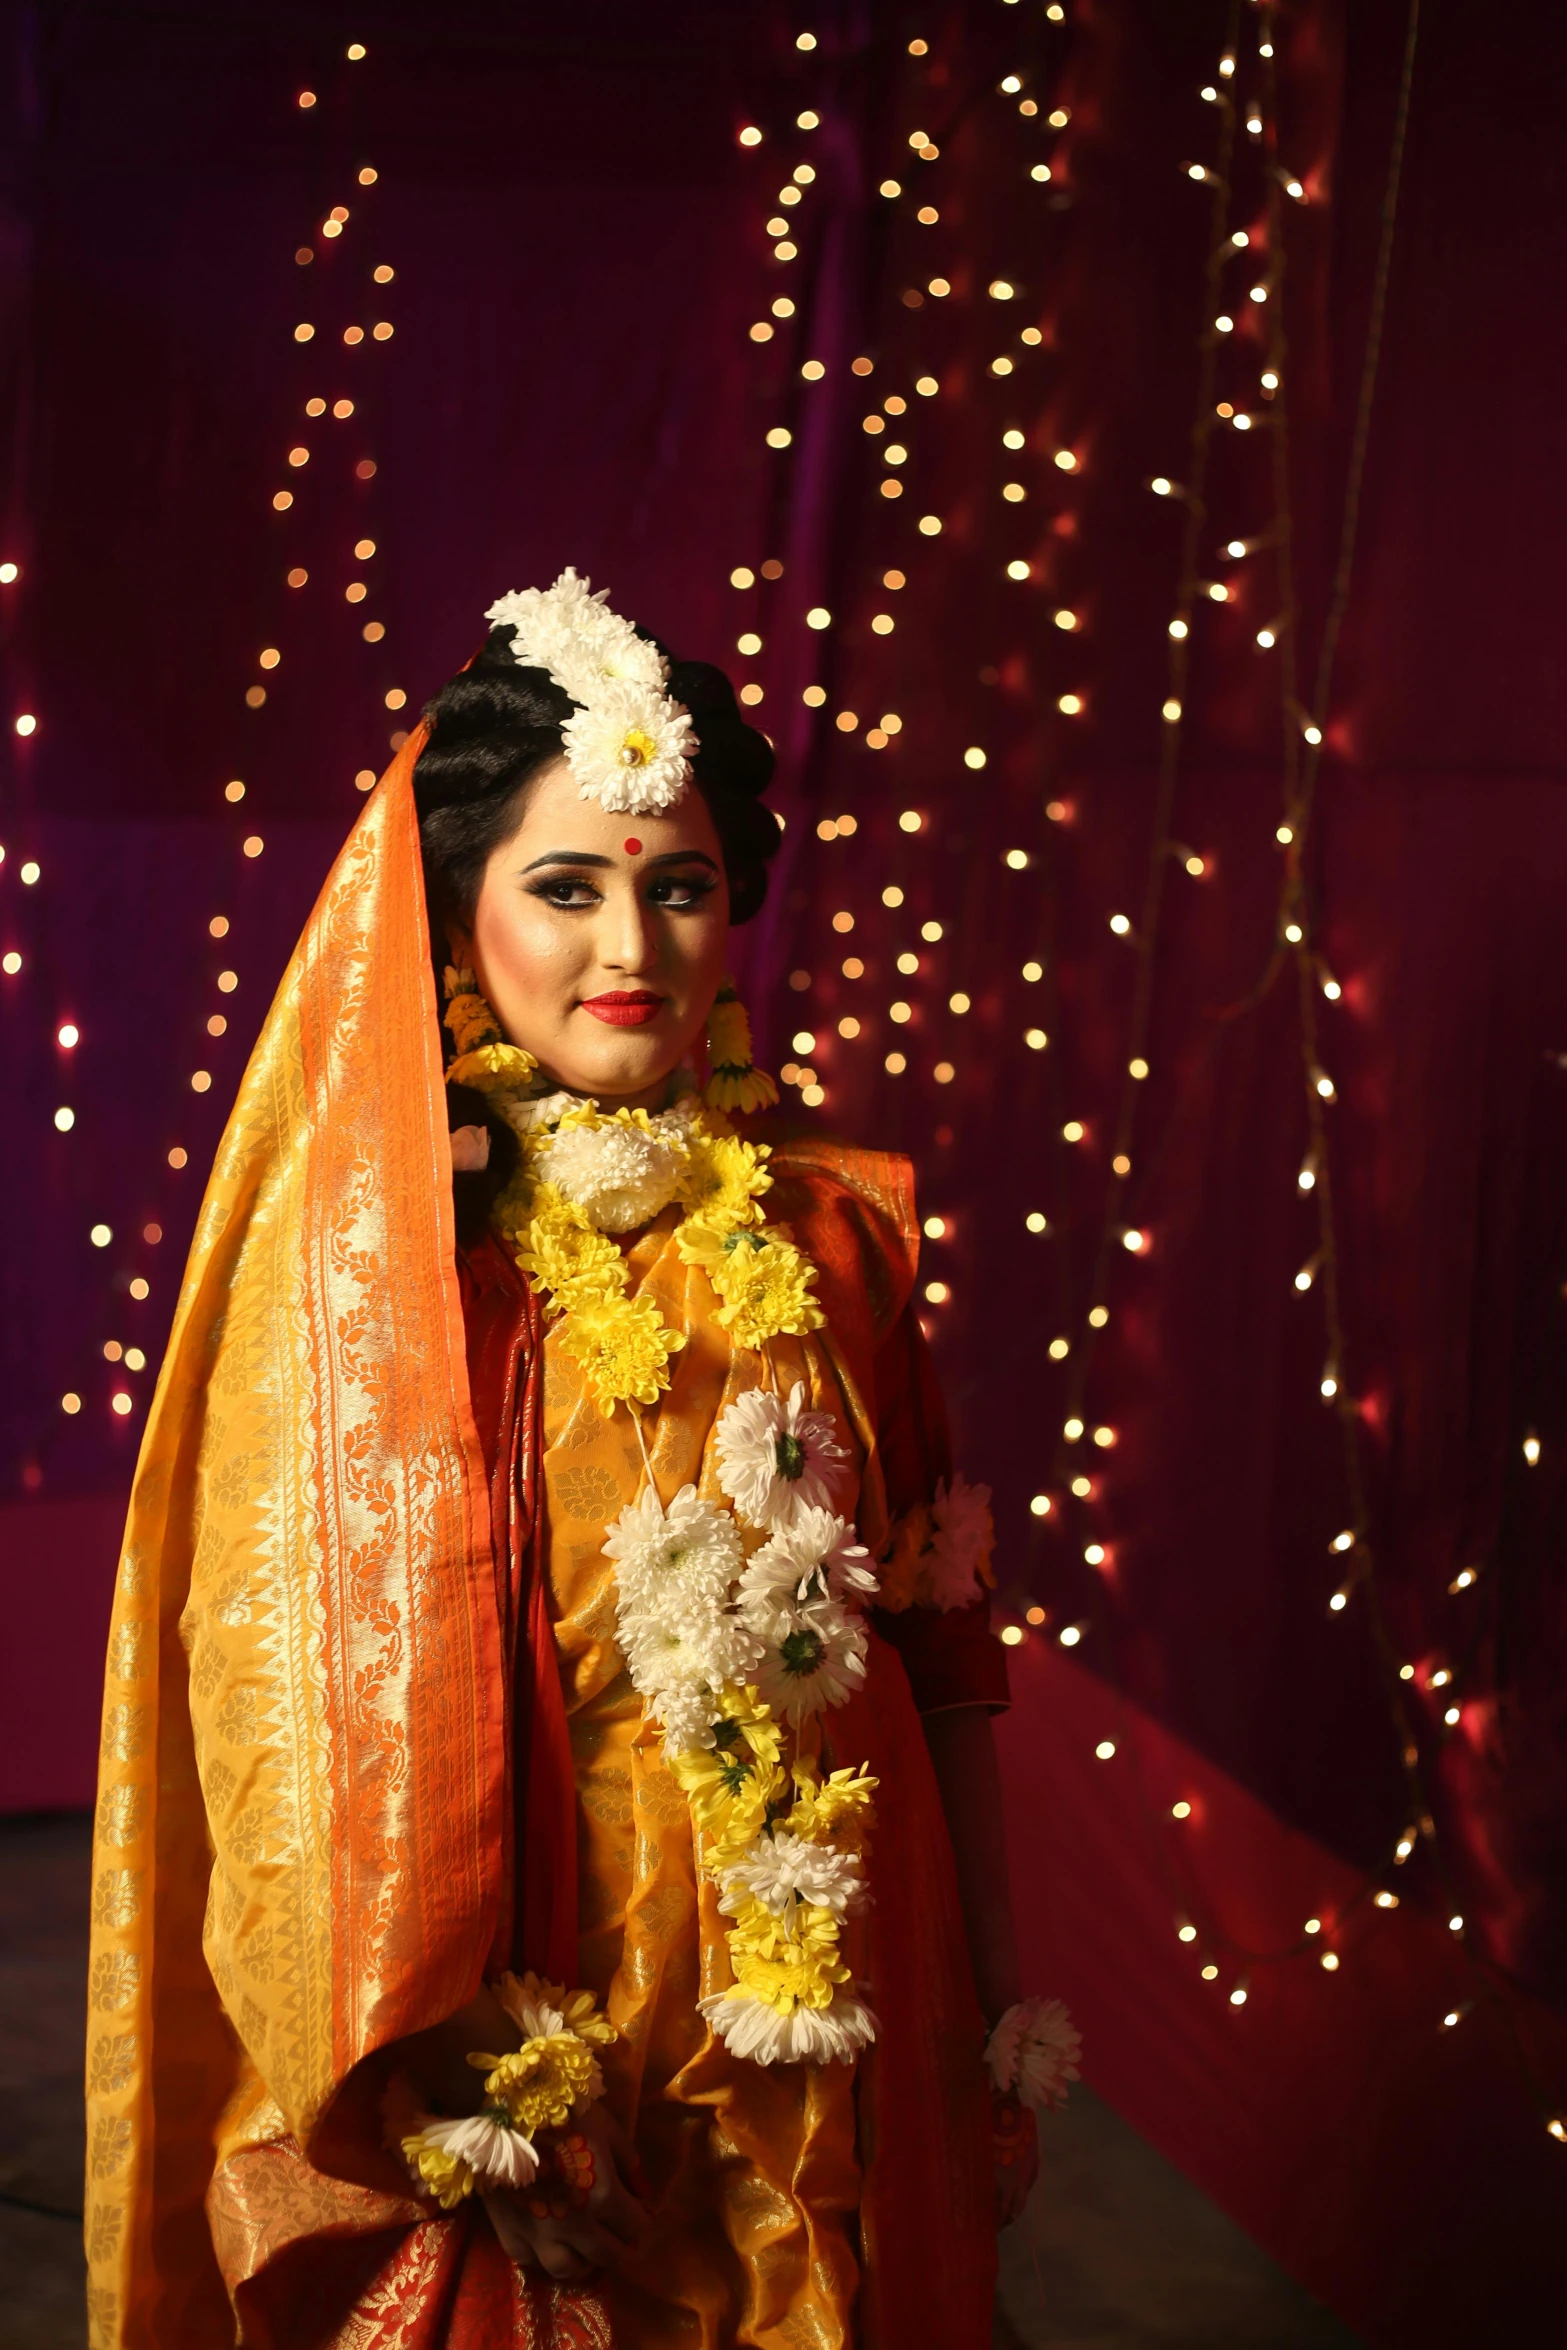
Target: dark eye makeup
{"points": [[676, 893]]}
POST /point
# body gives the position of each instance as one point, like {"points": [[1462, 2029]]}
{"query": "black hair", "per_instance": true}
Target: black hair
{"points": [[497, 724], [492, 729]]}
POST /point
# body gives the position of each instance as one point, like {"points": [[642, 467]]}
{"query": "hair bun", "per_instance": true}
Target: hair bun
{"points": [[733, 754]]}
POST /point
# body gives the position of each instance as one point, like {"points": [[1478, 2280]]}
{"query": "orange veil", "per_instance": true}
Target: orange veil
{"points": [[304, 1741]]}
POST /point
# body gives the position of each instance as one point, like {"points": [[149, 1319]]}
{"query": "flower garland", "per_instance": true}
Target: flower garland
{"points": [[735, 1082], [740, 1626]]}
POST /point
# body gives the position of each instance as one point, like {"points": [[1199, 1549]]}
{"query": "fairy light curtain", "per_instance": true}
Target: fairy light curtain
{"points": [[982, 383]]}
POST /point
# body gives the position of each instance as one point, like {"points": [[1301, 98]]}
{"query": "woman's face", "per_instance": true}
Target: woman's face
{"points": [[599, 940]]}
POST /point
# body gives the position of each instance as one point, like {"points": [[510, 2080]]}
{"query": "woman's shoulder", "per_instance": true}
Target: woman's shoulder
{"points": [[852, 1211]]}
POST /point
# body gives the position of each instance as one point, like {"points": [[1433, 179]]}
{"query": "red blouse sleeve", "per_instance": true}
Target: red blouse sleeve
{"points": [[951, 1655]]}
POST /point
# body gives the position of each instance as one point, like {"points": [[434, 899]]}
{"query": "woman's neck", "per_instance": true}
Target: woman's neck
{"points": [[659, 1096]]}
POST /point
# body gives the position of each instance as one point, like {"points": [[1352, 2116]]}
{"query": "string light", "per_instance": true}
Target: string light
{"points": [[270, 660]]}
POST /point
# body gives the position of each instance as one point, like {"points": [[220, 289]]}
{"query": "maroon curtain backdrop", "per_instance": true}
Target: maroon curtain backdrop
{"points": [[602, 308]]}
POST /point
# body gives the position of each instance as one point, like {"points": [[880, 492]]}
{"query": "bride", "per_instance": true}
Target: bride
{"points": [[549, 1883]]}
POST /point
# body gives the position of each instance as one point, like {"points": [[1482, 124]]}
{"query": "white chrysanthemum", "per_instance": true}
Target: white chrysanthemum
{"points": [[605, 655], [781, 1869], [814, 1657], [547, 622], [681, 1640], [534, 2018], [1034, 2050], [630, 749], [488, 2147], [679, 1668], [813, 1557], [619, 1175], [774, 1458], [962, 1536], [810, 2035], [693, 1543]]}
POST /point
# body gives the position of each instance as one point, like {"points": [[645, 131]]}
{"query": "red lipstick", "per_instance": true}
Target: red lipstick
{"points": [[625, 1009]]}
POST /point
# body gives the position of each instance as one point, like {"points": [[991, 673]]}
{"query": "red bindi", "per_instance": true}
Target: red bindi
{"points": [[633, 848]]}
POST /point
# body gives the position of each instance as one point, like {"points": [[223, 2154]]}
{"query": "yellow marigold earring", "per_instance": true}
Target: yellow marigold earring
{"points": [[734, 1081], [484, 1059]]}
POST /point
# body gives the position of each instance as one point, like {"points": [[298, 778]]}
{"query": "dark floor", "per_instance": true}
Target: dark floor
{"points": [[1116, 2248]]}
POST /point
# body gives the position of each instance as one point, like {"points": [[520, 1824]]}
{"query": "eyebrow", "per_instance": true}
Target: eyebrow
{"points": [[589, 857]]}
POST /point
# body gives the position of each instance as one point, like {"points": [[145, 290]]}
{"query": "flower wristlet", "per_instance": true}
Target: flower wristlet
{"points": [[1033, 2052], [538, 2087]]}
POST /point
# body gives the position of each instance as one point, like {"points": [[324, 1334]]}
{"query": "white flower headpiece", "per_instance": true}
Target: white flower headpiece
{"points": [[630, 744]]}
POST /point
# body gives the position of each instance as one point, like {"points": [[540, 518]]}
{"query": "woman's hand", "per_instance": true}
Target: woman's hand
{"points": [[606, 2223]]}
